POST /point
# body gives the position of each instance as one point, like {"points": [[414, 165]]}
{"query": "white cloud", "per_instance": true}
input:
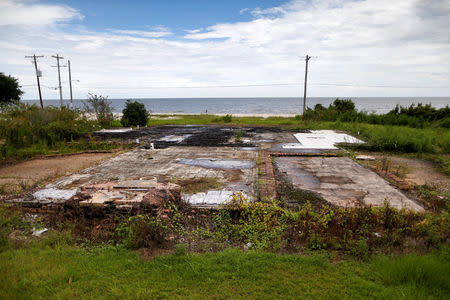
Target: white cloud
{"points": [[244, 10], [30, 13], [372, 42], [268, 12], [150, 34]]}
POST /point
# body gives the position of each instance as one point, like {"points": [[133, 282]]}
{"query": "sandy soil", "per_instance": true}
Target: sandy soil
{"points": [[27, 173]]}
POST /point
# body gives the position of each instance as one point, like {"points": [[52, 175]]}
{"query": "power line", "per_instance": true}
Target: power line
{"points": [[262, 85]]}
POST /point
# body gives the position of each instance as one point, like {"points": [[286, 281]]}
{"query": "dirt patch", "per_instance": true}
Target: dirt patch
{"points": [[197, 185], [25, 174], [413, 171]]}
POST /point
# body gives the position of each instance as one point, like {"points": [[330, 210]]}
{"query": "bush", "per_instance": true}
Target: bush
{"points": [[100, 107], [227, 119], [419, 116], [142, 231], [181, 248], [134, 114]]}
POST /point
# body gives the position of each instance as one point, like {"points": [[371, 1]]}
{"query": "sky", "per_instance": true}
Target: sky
{"points": [[245, 48]]}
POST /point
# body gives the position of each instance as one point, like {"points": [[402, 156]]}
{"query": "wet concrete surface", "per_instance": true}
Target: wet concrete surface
{"points": [[342, 182]]}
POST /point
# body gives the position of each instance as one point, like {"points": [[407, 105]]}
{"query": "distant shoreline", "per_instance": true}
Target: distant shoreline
{"points": [[118, 115]]}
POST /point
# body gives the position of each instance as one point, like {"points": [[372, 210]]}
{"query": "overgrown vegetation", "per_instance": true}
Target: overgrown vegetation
{"points": [[28, 130], [416, 116], [54, 266]]}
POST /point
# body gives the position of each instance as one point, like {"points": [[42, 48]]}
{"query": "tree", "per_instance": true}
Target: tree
{"points": [[10, 91], [134, 114], [343, 105], [100, 107]]}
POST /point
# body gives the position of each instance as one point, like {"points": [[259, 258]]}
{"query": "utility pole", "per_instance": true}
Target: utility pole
{"points": [[59, 77], [70, 84], [38, 74], [306, 79]]}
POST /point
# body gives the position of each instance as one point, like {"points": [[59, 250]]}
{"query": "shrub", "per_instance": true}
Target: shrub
{"points": [[142, 231], [181, 248], [227, 119], [100, 107], [134, 114]]}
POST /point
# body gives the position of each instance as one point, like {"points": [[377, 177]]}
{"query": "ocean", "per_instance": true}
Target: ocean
{"points": [[258, 106]]}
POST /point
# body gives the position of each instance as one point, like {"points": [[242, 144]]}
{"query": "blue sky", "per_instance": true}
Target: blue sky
{"points": [[136, 49], [178, 15]]}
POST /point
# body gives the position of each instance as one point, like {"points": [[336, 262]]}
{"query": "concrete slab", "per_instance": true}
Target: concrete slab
{"points": [[163, 164], [321, 139], [342, 182], [53, 195]]}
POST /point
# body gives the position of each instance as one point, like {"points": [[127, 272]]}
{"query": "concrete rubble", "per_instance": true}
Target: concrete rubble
{"points": [[52, 195]]}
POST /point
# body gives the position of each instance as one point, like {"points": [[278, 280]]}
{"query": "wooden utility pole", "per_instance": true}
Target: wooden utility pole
{"points": [[70, 84], [59, 77], [38, 74], [306, 80]]}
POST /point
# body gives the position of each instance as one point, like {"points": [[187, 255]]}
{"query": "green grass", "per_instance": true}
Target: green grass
{"points": [[67, 272]]}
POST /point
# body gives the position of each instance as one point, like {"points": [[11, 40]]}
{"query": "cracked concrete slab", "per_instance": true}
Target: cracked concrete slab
{"points": [[136, 167], [342, 182]]}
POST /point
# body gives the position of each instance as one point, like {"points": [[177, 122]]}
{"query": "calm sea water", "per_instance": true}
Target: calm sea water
{"points": [[273, 106]]}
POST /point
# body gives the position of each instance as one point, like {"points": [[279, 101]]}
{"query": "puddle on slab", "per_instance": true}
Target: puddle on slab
{"points": [[249, 148], [115, 130], [219, 164], [174, 138], [264, 141], [210, 198]]}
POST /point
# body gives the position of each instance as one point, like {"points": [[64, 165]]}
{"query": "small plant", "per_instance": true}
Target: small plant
{"points": [[181, 249], [142, 231], [227, 119], [238, 134], [134, 114], [361, 249]]}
